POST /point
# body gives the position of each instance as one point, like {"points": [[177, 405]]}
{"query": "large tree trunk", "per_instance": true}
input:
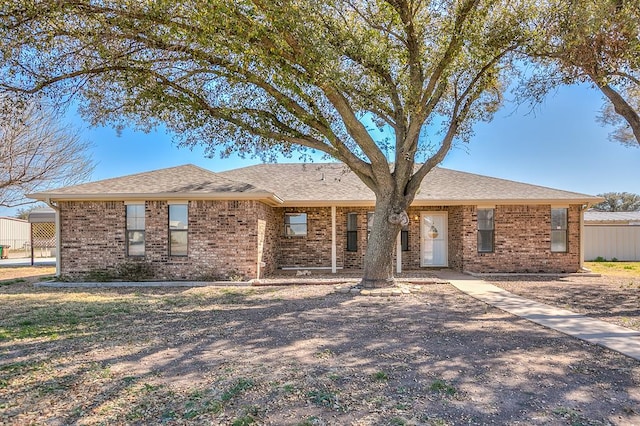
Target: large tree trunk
{"points": [[388, 219]]}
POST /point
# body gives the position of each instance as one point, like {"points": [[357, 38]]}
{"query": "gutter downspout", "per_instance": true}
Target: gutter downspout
{"points": [[56, 208]]}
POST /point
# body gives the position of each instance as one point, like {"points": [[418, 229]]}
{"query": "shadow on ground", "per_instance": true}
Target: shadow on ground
{"points": [[297, 355]]}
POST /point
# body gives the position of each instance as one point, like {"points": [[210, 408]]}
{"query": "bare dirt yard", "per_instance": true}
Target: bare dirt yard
{"points": [[614, 297], [303, 355]]}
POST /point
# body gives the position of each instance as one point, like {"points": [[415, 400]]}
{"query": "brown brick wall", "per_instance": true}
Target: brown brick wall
{"points": [[312, 250], [92, 236], [352, 259], [223, 239], [522, 241], [232, 237], [268, 239], [315, 249]]}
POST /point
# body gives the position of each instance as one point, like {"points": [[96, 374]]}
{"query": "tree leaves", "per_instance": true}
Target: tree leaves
{"points": [[249, 76], [618, 202]]}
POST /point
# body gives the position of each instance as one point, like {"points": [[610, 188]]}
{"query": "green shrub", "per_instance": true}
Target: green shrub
{"points": [[99, 275], [134, 271]]}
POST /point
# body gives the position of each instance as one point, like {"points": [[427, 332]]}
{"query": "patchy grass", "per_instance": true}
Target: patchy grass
{"points": [[440, 386], [617, 269], [261, 356], [64, 315], [380, 376], [20, 274]]}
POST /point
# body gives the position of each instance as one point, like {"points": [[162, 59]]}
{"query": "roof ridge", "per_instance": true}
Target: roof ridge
{"points": [[218, 175], [511, 181], [131, 175]]}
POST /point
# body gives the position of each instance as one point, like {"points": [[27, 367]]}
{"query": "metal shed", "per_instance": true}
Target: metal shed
{"points": [[612, 235], [14, 236]]}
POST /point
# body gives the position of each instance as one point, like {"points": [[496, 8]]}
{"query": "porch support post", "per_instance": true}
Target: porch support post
{"points": [[31, 244], [582, 209], [334, 250], [57, 225], [58, 242], [399, 253]]}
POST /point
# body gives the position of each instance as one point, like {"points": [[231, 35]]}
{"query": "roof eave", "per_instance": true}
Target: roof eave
{"points": [[443, 202], [506, 201]]}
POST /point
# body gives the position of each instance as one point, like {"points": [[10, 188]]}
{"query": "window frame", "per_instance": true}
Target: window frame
{"points": [[562, 229], [486, 227], [288, 224], [129, 231], [352, 234], [178, 231], [404, 238]]}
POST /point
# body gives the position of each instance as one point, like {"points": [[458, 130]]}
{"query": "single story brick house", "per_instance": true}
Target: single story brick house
{"points": [[191, 223]]}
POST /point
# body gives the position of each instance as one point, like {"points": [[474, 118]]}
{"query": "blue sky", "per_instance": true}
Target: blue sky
{"points": [[559, 144]]}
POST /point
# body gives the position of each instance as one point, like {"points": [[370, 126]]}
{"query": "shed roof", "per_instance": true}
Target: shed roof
{"points": [[42, 215], [13, 219], [593, 216], [307, 185]]}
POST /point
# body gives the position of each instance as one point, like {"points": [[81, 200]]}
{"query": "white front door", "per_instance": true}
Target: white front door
{"points": [[433, 239]]}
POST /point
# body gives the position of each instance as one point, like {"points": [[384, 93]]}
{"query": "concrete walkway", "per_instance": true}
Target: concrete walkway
{"points": [[26, 261], [611, 336]]}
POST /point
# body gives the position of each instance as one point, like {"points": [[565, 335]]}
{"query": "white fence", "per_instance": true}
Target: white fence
{"points": [[612, 241]]}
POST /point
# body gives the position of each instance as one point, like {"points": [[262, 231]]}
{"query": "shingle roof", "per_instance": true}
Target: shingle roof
{"points": [[324, 182], [307, 184], [595, 216], [186, 181]]}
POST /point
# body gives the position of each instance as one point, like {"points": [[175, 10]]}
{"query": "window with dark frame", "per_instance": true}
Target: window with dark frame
{"points": [[404, 238], [295, 224], [486, 231], [178, 229], [352, 231], [559, 229], [135, 232]]}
